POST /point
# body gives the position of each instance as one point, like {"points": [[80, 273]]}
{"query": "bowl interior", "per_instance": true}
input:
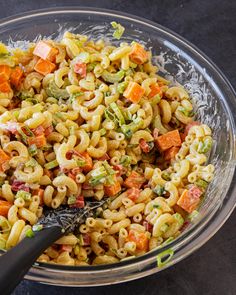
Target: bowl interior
{"points": [[178, 62]]}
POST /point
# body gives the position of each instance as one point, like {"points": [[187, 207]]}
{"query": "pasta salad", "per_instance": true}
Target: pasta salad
{"points": [[82, 120]]}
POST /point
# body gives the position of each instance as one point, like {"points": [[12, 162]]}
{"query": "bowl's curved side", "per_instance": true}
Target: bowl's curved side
{"points": [[214, 98]]}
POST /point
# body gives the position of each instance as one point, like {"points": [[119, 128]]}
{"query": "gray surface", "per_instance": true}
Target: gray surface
{"points": [[210, 25]]}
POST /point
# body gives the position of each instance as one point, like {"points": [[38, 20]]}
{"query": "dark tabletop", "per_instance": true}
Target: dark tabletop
{"points": [[210, 25]]}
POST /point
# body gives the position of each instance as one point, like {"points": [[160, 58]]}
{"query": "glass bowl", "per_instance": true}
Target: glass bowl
{"points": [[214, 102]]}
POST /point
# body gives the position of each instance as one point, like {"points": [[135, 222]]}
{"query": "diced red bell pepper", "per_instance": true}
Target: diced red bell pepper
{"points": [[188, 127], [19, 185], [48, 130], [148, 226], [104, 157], [79, 202], [155, 133], [119, 169], [67, 248], [86, 239], [81, 69], [133, 193], [38, 131]]}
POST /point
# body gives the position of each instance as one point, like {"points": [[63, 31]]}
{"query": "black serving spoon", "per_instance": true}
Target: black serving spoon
{"points": [[16, 262]]}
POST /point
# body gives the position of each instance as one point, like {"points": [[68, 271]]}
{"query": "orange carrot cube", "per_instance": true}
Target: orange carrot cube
{"points": [[45, 51], [138, 54], [44, 67], [134, 92], [166, 141]]}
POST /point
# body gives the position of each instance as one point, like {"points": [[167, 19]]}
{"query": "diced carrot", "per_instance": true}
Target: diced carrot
{"points": [[5, 87], [66, 248], [155, 89], [140, 239], [189, 199], [134, 92], [38, 131], [133, 193], [48, 130], [138, 54], [134, 180], [145, 146], [4, 208], [39, 141], [44, 67], [3, 157], [113, 189], [81, 69], [45, 51], [166, 141], [170, 153], [16, 76], [5, 72], [88, 162]]}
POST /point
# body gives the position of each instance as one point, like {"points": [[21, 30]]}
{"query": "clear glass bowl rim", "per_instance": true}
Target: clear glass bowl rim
{"points": [[193, 239]]}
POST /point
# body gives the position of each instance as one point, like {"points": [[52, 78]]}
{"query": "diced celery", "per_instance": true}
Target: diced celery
{"points": [[32, 149], [71, 200], [29, 233], [125, 160], [201, 183], [113, 77], [24, 195], [159, 190], [51, 165], [118, 113], [122, 86], [178, 218], [54, 91], [31, 163], [119, 30]]}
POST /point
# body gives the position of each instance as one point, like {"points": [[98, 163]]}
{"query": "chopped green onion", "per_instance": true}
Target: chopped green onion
{"points": [[178, 218], [118, 113], [16, 114], [169, 253], [164, 227], [125, 160], [201, 183], [193, 215], [37, 227], [108, 168], [186, 112], [23, 135], [91, 66], [159, 190], [73, 96], [32, 149], [54, 91], [80, 162], [119, 30], [169, 240], [122, 86], [129, 129], [51, 165], [24, 195], [156, 206], [113, 77], [29, 233], [98, 176], [102, 131], [31, 163], [155, 100], [59, 115], [80, 240], [205, 146], [71, 200]]}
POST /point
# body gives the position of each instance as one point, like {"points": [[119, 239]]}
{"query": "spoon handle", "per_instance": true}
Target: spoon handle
{"points": [[16, 262]]}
